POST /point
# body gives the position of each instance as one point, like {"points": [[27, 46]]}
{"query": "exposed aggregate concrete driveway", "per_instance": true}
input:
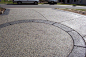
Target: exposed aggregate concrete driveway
{"points": [[41, 32]]}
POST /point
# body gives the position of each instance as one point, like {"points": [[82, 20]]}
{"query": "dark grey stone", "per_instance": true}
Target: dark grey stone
{"points": [[77, 39], [78, 52], [25, 21], [84, 38], [43, 21], [4, 25], [14, 22], [38, 21], [49, 22], [20, 21], [65, 28]]}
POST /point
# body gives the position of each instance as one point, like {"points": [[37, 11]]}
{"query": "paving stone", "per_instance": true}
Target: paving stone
{"points": [[20, 21], [85, 39], [43, 21], [77, 39], [65, 28], [78, 24], [4, 25], [14, 22], [78, 52], [49, 22], [25, 21]]}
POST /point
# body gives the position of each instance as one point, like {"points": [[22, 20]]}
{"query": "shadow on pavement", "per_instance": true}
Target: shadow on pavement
{"points": [[30, 4], [6, 12], [49, 3]]}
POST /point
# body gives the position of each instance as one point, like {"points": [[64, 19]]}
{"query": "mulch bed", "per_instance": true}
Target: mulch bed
{"points": [[75, 11]]}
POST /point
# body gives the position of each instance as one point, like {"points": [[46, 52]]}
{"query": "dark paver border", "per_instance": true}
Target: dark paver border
{"points": [[79, 46]]}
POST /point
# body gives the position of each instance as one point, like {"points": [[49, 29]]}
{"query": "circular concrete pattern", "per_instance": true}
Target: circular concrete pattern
{"points": [[34, 40]]}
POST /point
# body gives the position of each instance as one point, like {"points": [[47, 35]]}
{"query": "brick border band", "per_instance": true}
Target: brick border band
{"points": [[79, 46]]}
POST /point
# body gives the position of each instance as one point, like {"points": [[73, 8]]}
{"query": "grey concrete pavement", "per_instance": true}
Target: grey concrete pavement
{"points": [[19, 14], [78, 24], [57, 15], [42, 32], [70, 19]]}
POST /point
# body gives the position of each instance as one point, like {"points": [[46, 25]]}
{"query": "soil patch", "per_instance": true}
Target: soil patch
{"points": [[2, 10]]}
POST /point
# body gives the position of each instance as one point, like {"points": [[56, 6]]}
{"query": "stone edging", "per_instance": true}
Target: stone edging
{"points": [[79, 46]]}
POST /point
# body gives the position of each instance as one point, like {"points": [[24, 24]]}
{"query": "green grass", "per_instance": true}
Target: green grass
{"points": [[64, 4], [6, 2], [70, 4], [41, 3]]}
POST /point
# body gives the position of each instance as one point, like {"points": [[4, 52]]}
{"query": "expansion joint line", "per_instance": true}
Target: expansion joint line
{"points": [[80, 46], [40, 14]]}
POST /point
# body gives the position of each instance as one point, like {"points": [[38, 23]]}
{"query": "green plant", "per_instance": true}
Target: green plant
{"points": [[74, 4]]}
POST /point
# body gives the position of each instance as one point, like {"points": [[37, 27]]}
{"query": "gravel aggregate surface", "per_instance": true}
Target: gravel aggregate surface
{"points": [[34, 40]]}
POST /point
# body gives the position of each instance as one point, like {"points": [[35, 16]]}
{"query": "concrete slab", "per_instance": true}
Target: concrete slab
{"points": [[34, 40], [14, 14], [63, 27], [78, 24], [43, 21], [78, 52], [78, 41], [85, 39], [56, 15]]}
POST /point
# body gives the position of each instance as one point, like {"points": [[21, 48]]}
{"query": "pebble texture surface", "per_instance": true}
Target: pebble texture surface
{"points": [[34, 40]]}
